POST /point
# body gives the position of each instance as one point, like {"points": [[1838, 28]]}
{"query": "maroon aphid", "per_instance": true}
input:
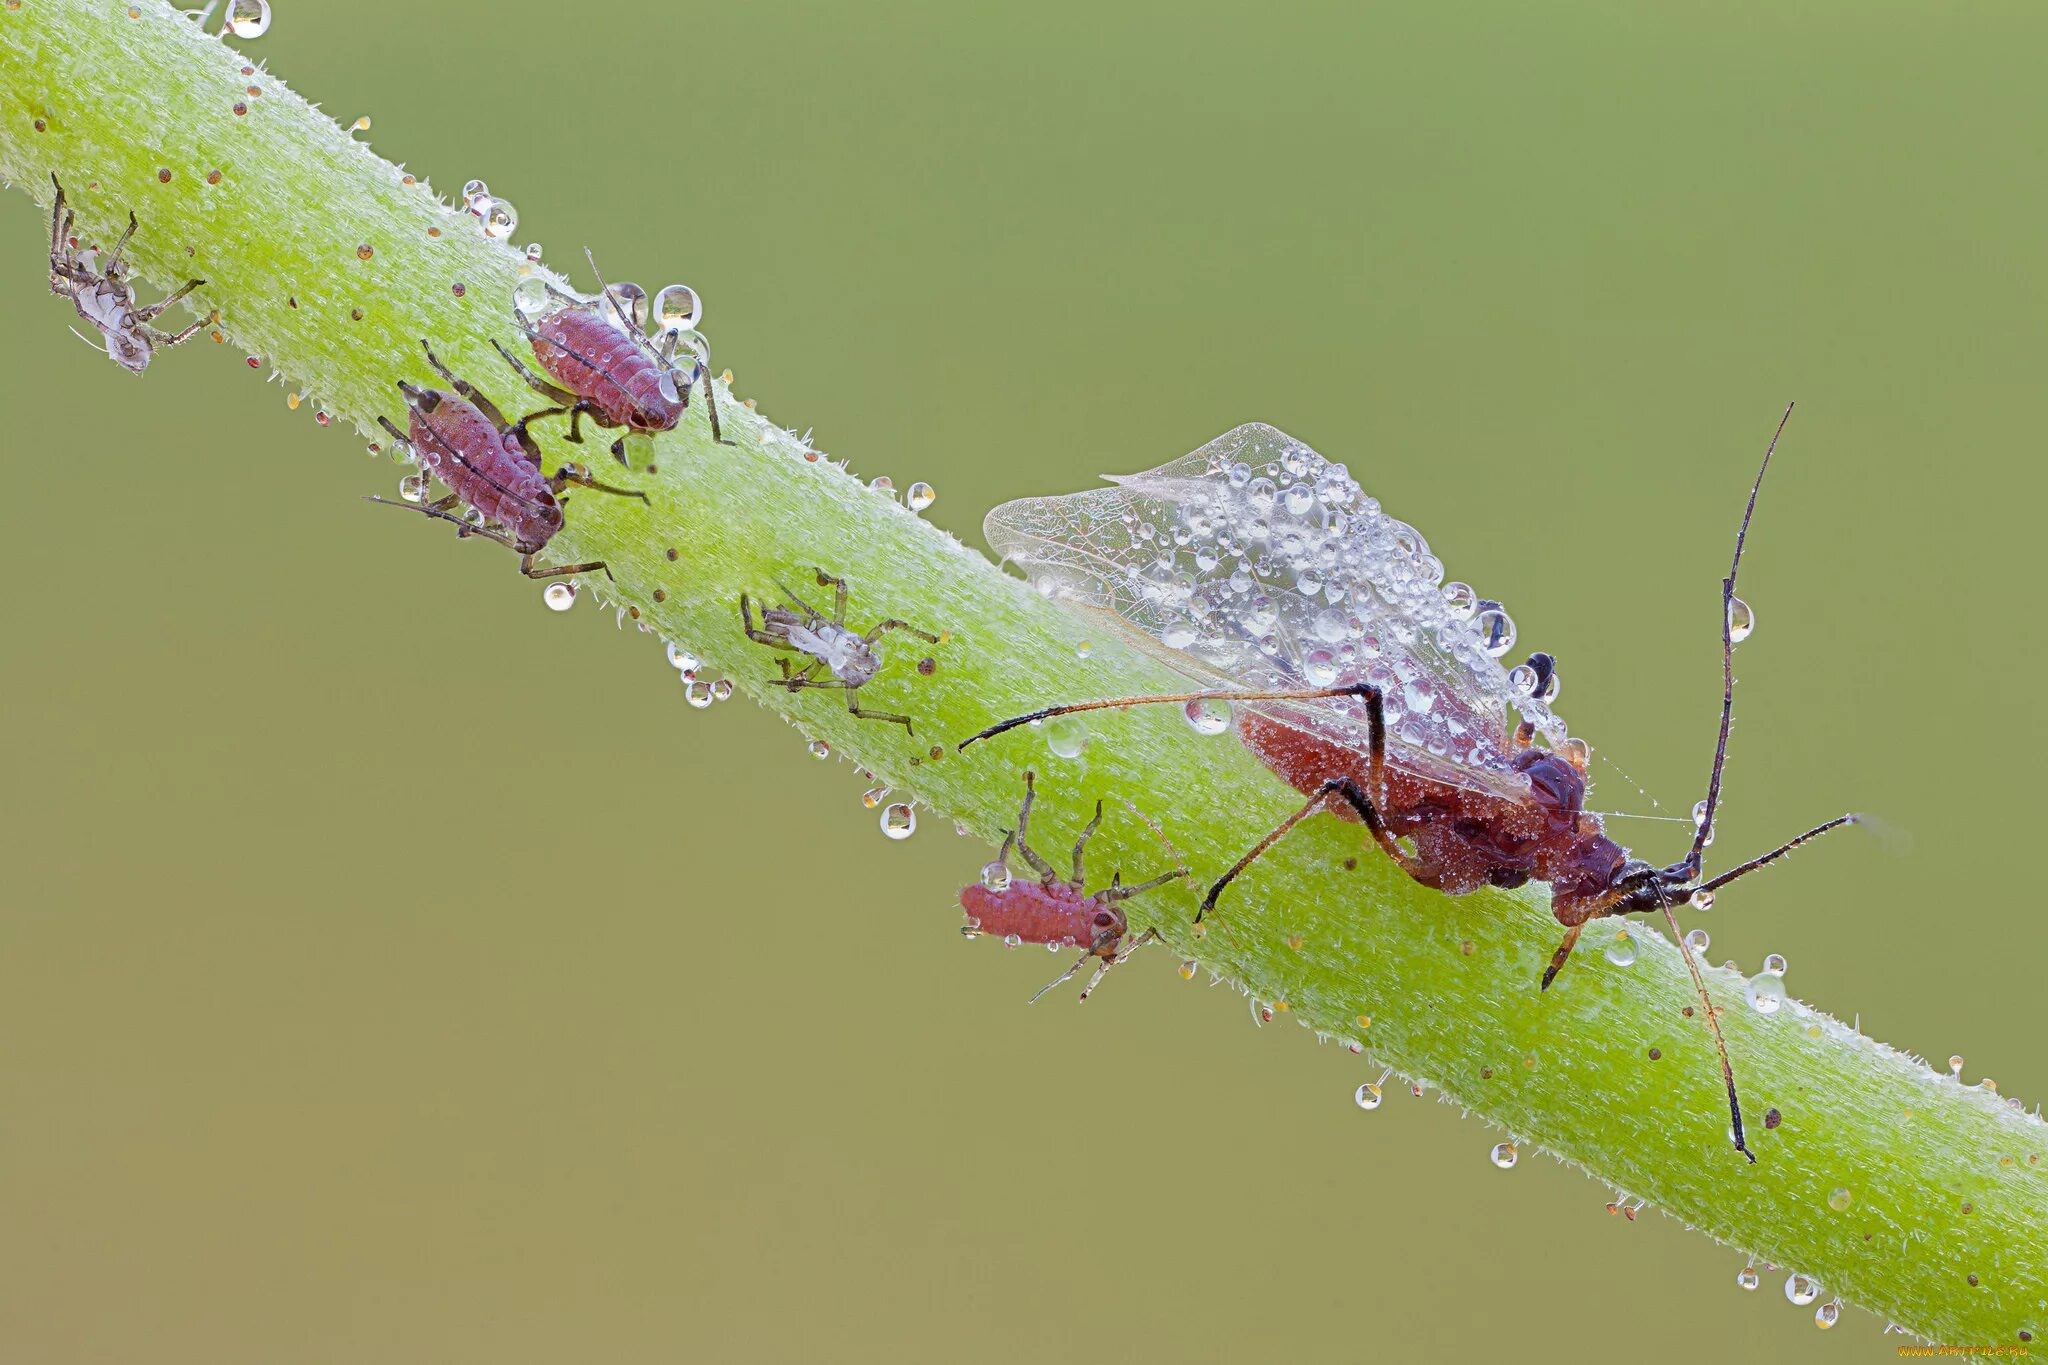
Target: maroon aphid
{"points": [[490, 465], [1056, 911], [104, 297], [1389, 708], [603, 367]]}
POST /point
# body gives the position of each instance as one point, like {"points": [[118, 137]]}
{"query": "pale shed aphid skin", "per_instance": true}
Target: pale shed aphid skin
{"points": [[1057, 911], [848, 658], [1263, 573], [104, 297]]}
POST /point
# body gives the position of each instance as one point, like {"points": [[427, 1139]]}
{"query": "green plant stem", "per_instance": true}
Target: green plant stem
{"points": [[329, 265]]}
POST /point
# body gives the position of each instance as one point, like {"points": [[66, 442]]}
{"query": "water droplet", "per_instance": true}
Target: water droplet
{"points": [[882, 483], [1748, 1278], [1084, 649], [1066, 735], [1702, 899], [1265, 1013], [722, 689], [1955, 1066], [819, 749], [1575, 751], [698, 694], [874, 796], [1697, 940], [1370, 1095], [632, 301], [500, 218], [1320, 667], [682, 659], [248, 18], [1187, 970], [559, 596], [1012, 941], [1839, 1199], [1765, 993], [1699, 812], [1522, 680], [1462, 601], [996, 875], [1621, 950], [1505, 1155], [413, 487], [475, 190], [1801, 1289], [920, 496], [1209, 717], [530, 297], [677, 308], [533, 252], [1828, 1314], [1741, 620], [1774, 965], [899, 820], [1496, 629]]}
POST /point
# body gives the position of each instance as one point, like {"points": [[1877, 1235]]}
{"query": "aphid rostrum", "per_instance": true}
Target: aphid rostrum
{"points": [[604, 368], [104, 297], [1054, 910], [491, 465], [828, 643], [1263, 572]]}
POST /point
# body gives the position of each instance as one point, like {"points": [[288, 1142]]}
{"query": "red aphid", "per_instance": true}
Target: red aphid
{"points": [[1261, 570], [491, 465], [604, 368], [1057, 912]]}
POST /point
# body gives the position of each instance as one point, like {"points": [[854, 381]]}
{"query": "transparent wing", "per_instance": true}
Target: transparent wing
{"points": [[1255, 562]]}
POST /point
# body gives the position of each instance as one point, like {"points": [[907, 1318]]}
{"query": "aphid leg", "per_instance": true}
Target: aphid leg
{"points": [[1081, 844], [60, 236], [528, 567], [1124, 893], [113, 266], [861, 713], [185, 334], [757, 635], [578, 475], [838, 586], [1119, 703], [1044, 869], [893, 624], [1337, 786], [711, 406], [552, 392], [150, 313]]}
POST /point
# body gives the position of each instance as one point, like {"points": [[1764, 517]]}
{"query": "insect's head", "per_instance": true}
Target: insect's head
{"points": [[128, 345], [1108, 926], [857, 668], [662, 411]]}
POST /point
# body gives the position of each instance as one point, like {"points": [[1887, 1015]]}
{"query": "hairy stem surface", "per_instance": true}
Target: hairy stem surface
{"points": [[1890, 1185]]}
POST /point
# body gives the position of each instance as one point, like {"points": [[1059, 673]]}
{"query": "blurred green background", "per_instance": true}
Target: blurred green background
{"points": [[322, 1041]]}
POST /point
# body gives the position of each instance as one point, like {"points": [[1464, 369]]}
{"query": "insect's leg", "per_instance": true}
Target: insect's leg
{"points": [[619, 451], [711, 408], [1068, 975], [893, 624], [1336, 786], [853, 705], [183, 335], [398, 438], [528, 567], [838, 586], [757, 635], [576, 474], [1039, 865], [1224, 694], [575, 436], [113, 265], [552, 392], [60, 230], [1081, 843], [1124, 893], [150, 313]]}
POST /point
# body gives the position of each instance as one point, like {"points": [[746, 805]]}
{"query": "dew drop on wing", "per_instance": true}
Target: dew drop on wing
{"points": [[1236, 581]]}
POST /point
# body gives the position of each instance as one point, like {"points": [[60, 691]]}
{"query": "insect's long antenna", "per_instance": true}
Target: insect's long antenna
{"points": [[1780, 851], [1706, 829], [467, 529], [625, 318], [1699, 984], [1119, 703]]}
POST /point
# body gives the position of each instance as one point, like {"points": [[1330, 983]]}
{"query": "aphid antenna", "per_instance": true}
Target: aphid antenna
{"points": [[466, 528], [1123, 703], [618, 309], [1068, 975]]}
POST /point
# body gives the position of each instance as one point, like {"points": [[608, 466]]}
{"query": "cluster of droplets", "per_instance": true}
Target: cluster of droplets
{"points": [[497, 215], [1268, 563], [244, 19], [917, 497]]}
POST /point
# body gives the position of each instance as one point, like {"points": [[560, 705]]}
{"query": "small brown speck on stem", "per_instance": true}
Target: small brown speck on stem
{"points": [[163, 175]]}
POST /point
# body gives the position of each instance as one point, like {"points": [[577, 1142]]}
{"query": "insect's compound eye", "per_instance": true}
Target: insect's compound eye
{"points": [[1104, 920]]}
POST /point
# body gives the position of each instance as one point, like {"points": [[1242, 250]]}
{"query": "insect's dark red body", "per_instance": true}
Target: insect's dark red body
{"points": [[1053, 913], [587, 352], [1465, 839], [486, 469]]}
